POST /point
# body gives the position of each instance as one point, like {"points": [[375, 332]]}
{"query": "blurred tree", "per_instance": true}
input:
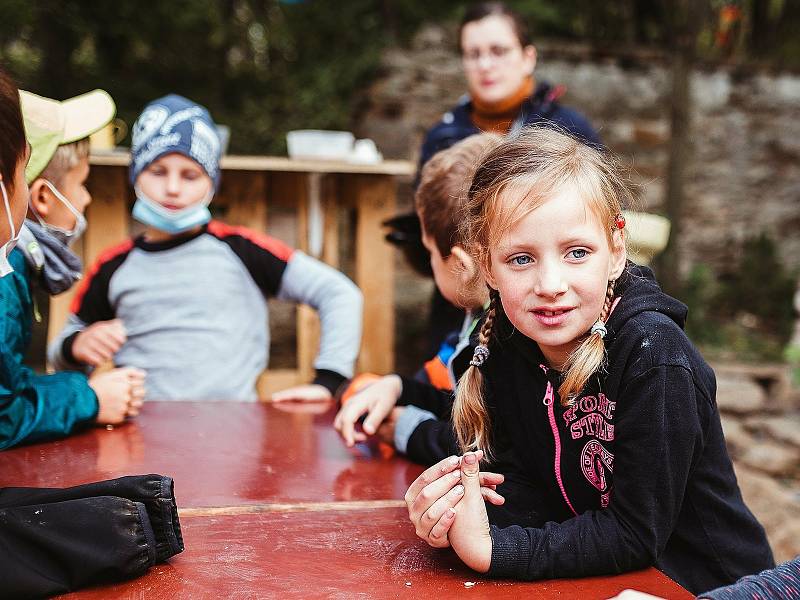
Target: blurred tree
{"points": [[266, 66], [684, 24]]}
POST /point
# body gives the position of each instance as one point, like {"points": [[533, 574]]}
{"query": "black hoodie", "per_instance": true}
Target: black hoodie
{"points": [[635, 473]]}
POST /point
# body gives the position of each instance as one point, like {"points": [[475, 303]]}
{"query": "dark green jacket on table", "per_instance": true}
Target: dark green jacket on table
{"points": [[33, 407]]}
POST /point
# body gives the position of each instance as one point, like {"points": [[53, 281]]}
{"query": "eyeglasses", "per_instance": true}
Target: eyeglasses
{"points": [[495, 55]]}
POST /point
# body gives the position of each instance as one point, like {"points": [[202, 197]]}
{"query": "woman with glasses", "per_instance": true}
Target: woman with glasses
{"points": [[503, 96], [499, 62]]}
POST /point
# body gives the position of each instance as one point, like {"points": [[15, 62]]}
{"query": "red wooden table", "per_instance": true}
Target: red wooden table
{"points": [[272, 504]]}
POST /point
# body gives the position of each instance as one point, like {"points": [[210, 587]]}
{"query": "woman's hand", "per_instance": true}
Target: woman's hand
{"points": [[469, 533], [433, 498], [376, 401]]}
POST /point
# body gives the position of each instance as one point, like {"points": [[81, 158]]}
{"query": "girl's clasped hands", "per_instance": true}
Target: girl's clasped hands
{"points": [[446, 506]]}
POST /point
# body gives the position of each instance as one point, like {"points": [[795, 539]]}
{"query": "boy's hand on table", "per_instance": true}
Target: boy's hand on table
{"points": [[99, 342], [376, 401], [433, 498], [312, 392], [120, 394], [386, 429]]}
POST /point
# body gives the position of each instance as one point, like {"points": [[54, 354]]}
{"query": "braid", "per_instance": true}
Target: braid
{"points": [[488, 322], [608, 301], [471, 420], [588, 357]]}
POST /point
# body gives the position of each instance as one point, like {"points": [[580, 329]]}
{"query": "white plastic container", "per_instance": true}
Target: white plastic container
{"points": [[319, 144], [647, 235]]}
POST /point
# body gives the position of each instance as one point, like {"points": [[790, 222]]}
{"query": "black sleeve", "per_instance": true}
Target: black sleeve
{"points": [[264, 257], [91, 304], [659, 437], [58, 547], [155, 492], [432, 441], [330, 380], [427, 397]]}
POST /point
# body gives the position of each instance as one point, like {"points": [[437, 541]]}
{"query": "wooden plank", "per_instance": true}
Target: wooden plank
{"points": [[263, 453], [374, 198], [323, 191], [274, 380], [244, 195], [283, 164], [289, 507], [365, 553], [108, 219], [307, 320]]}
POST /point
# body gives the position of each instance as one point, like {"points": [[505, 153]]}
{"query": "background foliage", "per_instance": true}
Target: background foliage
{"points": [[266, 67]]}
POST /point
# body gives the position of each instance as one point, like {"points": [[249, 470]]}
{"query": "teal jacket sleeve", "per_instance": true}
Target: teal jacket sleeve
{"points": [[33, 407]]}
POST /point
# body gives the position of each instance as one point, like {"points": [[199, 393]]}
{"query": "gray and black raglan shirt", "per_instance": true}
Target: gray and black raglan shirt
{"points": [[195, 312]]}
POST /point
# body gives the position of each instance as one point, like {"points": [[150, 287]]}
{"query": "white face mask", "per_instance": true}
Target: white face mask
{"points": [[148, 211], [5, 266], [66, 236]]}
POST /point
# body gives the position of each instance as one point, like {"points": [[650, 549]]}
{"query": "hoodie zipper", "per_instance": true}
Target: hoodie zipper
{"points": [[549, 397]]}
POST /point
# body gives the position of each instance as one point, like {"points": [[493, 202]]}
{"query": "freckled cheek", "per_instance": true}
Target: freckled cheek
{"points": [[514, 300]]}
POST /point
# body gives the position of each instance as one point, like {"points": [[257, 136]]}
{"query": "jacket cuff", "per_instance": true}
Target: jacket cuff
{"points": [[406, 424], [511, 549], [149, 535], [331, 380], [66, 348]]}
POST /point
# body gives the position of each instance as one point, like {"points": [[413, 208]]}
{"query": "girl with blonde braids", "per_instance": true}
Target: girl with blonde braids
{"points": [[584, 392]]}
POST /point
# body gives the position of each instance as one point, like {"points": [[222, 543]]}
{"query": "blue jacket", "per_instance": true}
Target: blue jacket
{"points": [[33, 407], [542, 107]]}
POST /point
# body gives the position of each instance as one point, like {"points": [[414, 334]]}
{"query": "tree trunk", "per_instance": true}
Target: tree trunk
{"points": [[685, 26]]}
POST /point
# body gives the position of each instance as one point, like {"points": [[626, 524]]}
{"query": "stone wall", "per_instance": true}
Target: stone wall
{"points": [[762, 430], [745, 174]]}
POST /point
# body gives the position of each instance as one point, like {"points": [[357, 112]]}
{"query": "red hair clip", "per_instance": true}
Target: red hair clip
{"points": [[619, 221]]}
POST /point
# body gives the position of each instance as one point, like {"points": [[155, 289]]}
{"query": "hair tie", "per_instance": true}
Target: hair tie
{"points": [[480, 355], [599, 327]]}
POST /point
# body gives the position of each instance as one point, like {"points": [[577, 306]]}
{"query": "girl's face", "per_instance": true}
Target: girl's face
{"points": [[175, 182], [495, 63], [17, 198], [552, 270]]}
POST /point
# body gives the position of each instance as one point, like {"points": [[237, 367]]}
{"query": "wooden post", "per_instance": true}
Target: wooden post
{"points": [[320, 203], [374, 197], [245, 195]]}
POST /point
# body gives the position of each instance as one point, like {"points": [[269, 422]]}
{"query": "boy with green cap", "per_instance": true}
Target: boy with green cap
{"points": [[35, 407]]}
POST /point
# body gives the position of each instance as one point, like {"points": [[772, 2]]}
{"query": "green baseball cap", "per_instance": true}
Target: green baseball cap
{"points": [[50, 123]]}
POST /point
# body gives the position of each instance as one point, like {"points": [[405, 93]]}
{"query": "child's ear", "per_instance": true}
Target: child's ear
{"points": [[40, 198], [619, 254], [468, 265]]}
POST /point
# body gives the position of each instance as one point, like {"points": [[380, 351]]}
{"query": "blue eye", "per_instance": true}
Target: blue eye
{"points": [[579, 253], [521, 260]]}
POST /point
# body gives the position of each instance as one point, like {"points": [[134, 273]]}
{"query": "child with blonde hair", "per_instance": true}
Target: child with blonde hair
{"points": [[584, 391]]}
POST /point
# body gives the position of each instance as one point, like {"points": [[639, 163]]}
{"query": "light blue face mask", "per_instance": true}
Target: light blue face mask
{"points": [[151, 213]]}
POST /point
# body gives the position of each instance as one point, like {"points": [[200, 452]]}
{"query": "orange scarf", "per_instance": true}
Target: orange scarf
{"points": [[497, 117]]}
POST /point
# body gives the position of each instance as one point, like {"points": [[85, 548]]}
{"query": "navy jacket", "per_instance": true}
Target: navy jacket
{"points": [[635, 473], [541, 108]]}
